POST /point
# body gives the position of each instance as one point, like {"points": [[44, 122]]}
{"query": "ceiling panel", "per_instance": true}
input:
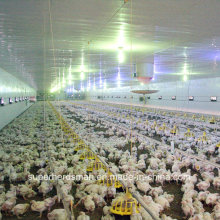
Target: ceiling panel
{"points": [[105, 39]]}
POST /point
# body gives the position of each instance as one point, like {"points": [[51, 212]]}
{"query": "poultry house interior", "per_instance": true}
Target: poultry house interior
{"points": [[110, 110]]}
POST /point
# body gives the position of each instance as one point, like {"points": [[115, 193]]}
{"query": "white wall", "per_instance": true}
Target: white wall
{"points": [[12, 87], [10, 112], [201, 89]]}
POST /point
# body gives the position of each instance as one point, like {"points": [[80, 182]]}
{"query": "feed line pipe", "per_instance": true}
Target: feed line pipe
{"points": [[135, 195]]}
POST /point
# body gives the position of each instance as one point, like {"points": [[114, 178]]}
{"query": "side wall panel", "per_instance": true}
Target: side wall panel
{"points": [[11, 87], [201, 89], [10, 112]]}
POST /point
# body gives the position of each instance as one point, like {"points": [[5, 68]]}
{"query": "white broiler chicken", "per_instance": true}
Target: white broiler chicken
{"points": [[154, 207], [58, 214], [99, 200], [162, 201], [207, 216], [25, 191], [216, 182], [49, 202], [38, 206], [217, 211], [203, 185], [208, 176], [107, 214], [198, 206], [156, 191], [143, 186], [165, 217], [190, 194], [135, 215], [202, 195], [45, 187], [169, 197], [197, 217], [2, 198], [111, 192], [89, 203], [8, 205], [212, 198], [20, 209], [83, 216], [68, 199], [188, 208]]}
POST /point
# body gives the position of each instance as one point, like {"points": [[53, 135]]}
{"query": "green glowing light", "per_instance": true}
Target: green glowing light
{"points": [[82, 76], [185, 68], [185, 78], [121, 57]]}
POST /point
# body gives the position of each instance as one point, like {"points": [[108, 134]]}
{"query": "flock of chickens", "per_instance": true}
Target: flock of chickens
{"points": [[34, 144], [109, 129]]}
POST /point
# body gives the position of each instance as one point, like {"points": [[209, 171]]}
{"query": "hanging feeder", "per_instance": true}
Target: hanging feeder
{"points": [[154, 125], [163, 127], [65, 126], [174, 130], [203, 138], [123, 205], [110, 180], [80, 146], [202, 118], [87, 155], [164, 113], [189, 133], [75, 137], [67, 129], [212, 120], [96, 165]]}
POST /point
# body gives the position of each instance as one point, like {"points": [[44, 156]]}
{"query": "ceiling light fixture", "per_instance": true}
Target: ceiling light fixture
{"points": [[185, 78], [82, 76]]}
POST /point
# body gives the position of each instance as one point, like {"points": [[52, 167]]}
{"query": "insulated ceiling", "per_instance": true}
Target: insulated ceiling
{"points": [[81, 42]]}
